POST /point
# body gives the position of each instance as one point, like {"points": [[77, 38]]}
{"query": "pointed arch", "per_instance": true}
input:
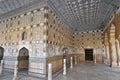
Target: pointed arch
{"points": [[23, 59]]}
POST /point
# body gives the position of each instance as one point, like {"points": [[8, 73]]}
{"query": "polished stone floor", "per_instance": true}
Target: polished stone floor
{"points": [[90, 71], [82, 71]]}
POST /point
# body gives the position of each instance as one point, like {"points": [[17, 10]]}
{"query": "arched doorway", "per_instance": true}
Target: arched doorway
{"points": [[1, 53], [23, 59]]}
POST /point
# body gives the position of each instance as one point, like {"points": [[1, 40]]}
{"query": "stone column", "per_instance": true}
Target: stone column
{"points": [[78, 59], [113, 55], [49, 71], [75, 59], [118, 52], [16, 71], [1, 67], [95, 59], [71, 62], [106, 46], [119, 57], [64, 67], [107, 54]]}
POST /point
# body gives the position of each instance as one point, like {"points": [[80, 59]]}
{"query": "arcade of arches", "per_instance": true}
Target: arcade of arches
{"points": [[38, 37]]}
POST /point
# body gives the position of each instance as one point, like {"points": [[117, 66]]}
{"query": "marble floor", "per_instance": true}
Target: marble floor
{"points": [[82, 71], [91, 71]]}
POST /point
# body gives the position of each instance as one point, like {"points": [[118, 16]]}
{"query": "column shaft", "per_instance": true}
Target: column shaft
{"points": [[113, 55]]}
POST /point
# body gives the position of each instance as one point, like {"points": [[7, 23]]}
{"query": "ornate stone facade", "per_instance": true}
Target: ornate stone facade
{"points": [[24, 31], [89, 40], [41, 34]]}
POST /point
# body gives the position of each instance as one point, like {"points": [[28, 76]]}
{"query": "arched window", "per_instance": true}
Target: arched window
{"points": [[24, 36]]}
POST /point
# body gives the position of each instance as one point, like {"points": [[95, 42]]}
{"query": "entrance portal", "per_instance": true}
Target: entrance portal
{"points": [[89, 54], [23, 59]]}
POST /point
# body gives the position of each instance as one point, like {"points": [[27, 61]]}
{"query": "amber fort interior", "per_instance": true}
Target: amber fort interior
{"points": [[59, 39]]}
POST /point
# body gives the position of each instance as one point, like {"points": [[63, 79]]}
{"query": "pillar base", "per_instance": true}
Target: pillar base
{"points": [[114, 64]]}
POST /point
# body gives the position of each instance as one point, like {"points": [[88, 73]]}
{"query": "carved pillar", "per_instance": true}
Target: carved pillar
{"points": [[118, 52], [113, 46], [113, 55], [107, 52], [106, 47], [71, 62], [75, 59]]}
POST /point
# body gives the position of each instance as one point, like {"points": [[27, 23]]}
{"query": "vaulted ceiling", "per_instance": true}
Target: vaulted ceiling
{"points": [[80, 15], [84, 15]]}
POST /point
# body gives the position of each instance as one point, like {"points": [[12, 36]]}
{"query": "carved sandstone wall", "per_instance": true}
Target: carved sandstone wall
{"points": [[89, 40]]}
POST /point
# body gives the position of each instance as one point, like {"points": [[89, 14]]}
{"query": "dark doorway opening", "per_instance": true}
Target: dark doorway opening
{"points": [[23, 60], [89, 54]]}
